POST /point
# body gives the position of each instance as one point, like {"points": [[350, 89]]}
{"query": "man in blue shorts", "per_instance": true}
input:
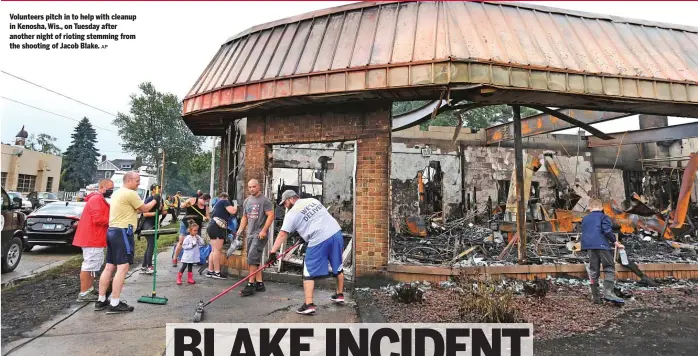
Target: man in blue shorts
{"points": [[123, 218], [325, 242]]}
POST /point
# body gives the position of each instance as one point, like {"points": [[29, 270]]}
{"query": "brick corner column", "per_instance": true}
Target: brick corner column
{"points": [[373, 193], [256, 152]]}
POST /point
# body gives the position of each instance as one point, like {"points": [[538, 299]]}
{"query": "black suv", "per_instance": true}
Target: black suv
{"points": [[12, 222]]}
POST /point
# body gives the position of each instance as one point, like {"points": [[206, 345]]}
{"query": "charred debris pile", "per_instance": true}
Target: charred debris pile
{"points": [[428, 240]]}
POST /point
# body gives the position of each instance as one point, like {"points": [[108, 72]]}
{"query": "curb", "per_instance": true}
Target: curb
{"points": [[366, 311], [33, 273]]}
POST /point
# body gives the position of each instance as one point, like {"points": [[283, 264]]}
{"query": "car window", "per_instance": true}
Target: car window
{"points": [[72, 209], [47, 196]]}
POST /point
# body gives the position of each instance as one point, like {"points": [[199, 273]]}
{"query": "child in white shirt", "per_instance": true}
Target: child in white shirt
{"points": [[191, 255]]}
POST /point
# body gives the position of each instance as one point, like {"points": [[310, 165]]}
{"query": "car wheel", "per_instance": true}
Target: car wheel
{"points": [[11, 259]]}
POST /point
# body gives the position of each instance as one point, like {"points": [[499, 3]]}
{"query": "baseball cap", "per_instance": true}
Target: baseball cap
{"points": [[154, 185], [287, 194]]}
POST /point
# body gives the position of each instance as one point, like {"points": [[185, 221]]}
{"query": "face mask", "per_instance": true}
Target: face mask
{"points": [[108, 193]]}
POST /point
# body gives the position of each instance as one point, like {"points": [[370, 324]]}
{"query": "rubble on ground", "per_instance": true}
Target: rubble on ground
{"points": [[460, 243], [565, 310]]}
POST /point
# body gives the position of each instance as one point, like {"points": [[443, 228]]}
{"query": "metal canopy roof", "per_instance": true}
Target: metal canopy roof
{"points": [[400, 50]]}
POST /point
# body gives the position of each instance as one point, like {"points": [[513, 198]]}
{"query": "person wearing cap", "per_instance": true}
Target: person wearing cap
{"points": [[323, 235], [149, 224]]}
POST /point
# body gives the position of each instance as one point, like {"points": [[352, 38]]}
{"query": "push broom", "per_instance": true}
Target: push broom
{"points": [[153, 298], [199, 313]]}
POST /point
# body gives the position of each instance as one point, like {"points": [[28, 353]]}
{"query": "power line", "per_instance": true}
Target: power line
{"points": [[50, 112], [55, 92]]}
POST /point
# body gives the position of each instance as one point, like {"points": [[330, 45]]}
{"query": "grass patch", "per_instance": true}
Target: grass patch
{"points": [[72, 264]]}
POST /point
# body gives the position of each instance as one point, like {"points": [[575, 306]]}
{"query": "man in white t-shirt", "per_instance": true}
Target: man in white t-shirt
{"points": [[325, 241]]}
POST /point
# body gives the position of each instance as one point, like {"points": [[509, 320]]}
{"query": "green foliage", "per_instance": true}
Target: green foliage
{"points": [[192, 174], [154, 121], [80, 158], [479, 118], [44, 143], [402, 107]]}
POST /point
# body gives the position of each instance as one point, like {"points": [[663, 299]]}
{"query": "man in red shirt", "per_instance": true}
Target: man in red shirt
{"points": [[91, 236]]}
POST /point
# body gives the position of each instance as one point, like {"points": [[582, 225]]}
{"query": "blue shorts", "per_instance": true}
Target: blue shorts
{"points": [[183, 229], [317, 258], [120, 246]]}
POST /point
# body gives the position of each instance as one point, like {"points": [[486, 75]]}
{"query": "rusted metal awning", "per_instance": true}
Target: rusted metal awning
{"points": [[392, 50]]}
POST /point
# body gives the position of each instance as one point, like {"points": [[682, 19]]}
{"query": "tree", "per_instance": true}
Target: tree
{"points": [[476, 118], [80, 158], [480, 118], [154, 121], [43, 143], [192, 174]]}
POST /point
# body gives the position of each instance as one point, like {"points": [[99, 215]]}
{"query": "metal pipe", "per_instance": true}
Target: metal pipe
{"points": [[520, 208]]}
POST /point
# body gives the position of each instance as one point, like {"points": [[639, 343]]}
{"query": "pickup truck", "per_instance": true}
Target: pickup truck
{"points": [[12, 221]]}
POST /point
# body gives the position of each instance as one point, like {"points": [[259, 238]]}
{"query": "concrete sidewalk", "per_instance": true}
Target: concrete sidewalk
{"points": [[142, 332]]}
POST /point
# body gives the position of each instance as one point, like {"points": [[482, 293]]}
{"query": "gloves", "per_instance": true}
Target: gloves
{"points": [[272, 257]]}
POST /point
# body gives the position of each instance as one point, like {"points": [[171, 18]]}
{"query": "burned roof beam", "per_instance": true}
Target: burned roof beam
{"points": [[592, 130], [546, 123], [659, 134]]}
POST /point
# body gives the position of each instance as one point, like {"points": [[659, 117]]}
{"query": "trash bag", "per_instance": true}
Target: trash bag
{"points": [[233, 224], [204, 253]]}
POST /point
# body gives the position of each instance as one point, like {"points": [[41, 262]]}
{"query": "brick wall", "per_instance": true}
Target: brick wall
{"points": [[369, 125], [256, 151]]}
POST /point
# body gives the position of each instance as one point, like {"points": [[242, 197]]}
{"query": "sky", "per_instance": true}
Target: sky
{"points": [[174, 43]]}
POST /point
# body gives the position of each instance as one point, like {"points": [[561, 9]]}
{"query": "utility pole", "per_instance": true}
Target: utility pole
{"points": [[213, 168], [162, 173]]}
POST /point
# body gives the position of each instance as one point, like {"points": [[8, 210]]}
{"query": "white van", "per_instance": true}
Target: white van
{"points": [[143, 189]]}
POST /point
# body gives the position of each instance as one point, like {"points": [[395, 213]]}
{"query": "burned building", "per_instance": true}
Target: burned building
{"points": [[327, 80]]}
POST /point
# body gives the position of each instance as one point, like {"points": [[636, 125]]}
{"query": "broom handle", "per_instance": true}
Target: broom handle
{"points": [[155, 249], [251, 274]]}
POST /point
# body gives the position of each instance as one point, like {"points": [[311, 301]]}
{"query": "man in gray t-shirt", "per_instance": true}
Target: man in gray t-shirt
{"points": [[257, 216]]}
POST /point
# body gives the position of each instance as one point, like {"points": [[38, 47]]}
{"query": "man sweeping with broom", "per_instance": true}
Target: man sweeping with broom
{"points": [[123, 218], [325, 244]]}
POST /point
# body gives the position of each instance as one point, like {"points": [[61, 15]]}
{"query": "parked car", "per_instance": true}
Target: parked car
{"points": [[27, 206], [39, 199], [12, 221], [53, 224]]}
